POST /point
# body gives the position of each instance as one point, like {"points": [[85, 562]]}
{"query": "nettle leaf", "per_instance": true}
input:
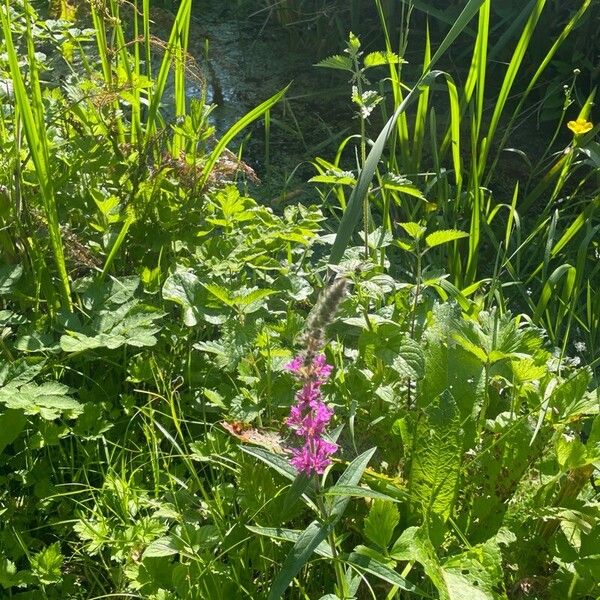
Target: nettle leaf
{"points": [[381, 521], [337, 61], [444, 236], [415, 230], [131, 324], [49, 399], [182, 287], [376, 59], [436, 460]]}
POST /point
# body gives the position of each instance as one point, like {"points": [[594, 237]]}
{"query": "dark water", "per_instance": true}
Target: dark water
{"points": [[245, 61]]}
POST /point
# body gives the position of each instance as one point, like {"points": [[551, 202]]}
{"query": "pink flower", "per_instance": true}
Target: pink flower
{"points": [[313, 457], [309, 416], [320, 367], [295, 365]]}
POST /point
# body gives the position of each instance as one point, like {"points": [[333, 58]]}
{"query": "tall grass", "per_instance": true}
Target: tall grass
{"points": [[29, 111], [473, 141]]}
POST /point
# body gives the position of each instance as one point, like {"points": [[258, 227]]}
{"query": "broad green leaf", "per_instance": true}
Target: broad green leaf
{"points": [[46, 564], [475, 574], [410, 360], [9, 276], [444, 236], [437, 449], [220, 293], [49, 399], [12, 422], [131, 324], [185, 288], [381, 521], [570, 453], [337, 61], [164, 546]]}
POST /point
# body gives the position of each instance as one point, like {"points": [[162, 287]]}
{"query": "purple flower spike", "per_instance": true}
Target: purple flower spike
{"points": [[309, 416]]}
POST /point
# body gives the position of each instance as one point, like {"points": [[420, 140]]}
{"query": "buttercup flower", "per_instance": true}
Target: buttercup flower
{"points": [[580, 126]]}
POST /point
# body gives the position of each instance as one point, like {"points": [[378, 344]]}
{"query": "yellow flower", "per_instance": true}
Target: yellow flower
{"points": [[580, 126]]}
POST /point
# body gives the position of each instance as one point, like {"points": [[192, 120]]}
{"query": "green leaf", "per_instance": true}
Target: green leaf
{"points": [[46, 565], [49, 399], [163, 546], [337, 61], [444, 236], [383, 572], [415, 230], [220, 293], [350, 477], [435, 466], [381, 521], [131, 324], [357, 492], [414, 544], [275, 461], [308, 541], [475, 574], [9, 276], [12, 422], [289, 535], [378, 58]]}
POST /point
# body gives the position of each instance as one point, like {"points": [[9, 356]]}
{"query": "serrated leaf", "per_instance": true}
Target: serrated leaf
{"points": [[410, 360], [444, 236], [415, 230], [132, 324], [337, 61], [164, 546], [414, 544], [435, 466], [376, 59], [46, 564], [220, 293], [381, 521], [49, 399]]}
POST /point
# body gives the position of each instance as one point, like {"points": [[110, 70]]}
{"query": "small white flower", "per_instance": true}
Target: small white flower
{"points": [[580, 346]]}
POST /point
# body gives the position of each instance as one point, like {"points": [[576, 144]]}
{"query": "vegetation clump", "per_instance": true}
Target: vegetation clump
{"points": [[388, 392]]}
